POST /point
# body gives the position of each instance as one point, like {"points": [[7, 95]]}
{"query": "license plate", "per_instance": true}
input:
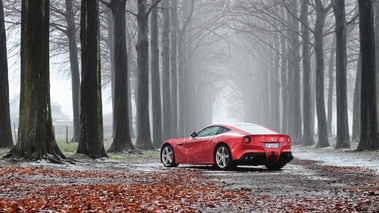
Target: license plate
{"points": [[272, 145]]}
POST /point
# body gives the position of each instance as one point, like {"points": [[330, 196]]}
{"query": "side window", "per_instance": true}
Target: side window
{"points": [[222, 130], [209, 131]]}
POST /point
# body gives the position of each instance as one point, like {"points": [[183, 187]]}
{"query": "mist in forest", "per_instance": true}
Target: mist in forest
{"points": [[217, 61]]}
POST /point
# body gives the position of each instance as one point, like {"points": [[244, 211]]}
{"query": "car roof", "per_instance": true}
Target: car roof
{"points": [[250, 128]]}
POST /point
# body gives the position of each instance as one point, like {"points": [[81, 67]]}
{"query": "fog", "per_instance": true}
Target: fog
{"points": [[237, 61]]}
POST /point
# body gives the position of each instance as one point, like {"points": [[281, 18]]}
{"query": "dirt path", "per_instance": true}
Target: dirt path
{"points": [[144, 185]]}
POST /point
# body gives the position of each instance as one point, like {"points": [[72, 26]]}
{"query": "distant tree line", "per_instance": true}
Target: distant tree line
{"points": [[175, 59]]}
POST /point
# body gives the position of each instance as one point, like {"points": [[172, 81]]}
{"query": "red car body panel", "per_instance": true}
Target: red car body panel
{"points": [[200, 150]]}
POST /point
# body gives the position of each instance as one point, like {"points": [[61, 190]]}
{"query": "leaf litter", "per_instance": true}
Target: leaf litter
{"points": [[305, 185]]}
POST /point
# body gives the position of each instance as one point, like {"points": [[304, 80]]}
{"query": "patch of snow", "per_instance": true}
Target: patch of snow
{"points": [[337, 157]]}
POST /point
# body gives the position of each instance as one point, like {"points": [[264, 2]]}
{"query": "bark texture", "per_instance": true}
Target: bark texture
{"points": [[74, 64], [368, 140], [5, 121], [323, 140], [142, 47], [36, 138], [91, 116], [307, 136], [155, 79], [343, 138], [174, 69], [166, 82], [122, 138]]}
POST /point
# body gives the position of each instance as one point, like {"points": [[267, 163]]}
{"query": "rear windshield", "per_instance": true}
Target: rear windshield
{"points": [[254, 129]]}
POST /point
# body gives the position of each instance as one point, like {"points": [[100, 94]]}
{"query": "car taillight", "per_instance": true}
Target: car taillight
{"points": [[246, 139], [289, 140]]}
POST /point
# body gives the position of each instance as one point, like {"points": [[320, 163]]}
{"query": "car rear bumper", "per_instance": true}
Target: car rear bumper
{"points": [[256, 159]]}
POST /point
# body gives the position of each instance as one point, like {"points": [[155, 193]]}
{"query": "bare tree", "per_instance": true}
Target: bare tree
{"points": [[91, 118], [357, 103], [142, 47], [166, 82], [155, 79], [307, 137], [174, 69], [330, 103], [343, 138], [376, 14], [36, 138], [5, 122], [294, 75], [368, 140], [321, 11], [74, 64], [122, 137]]}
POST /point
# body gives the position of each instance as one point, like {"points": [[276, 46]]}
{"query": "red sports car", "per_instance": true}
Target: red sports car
{"points": [[226, 146]]}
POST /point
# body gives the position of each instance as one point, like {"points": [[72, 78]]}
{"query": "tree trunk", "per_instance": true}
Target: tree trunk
{"points": [[131, 72], [174, 70], [166, 71], [357, 103], [122, 139], [323, 140], [376, 12], [284, 84], [36, 138], [308, 137], [142, 47], [368, 139], [182, 85], [331, 87], [295, 89], [5, 121], [275, 119], [155, 79], [183, 75], [111, 47], [343, 138], [74, 64], [91, 116]]}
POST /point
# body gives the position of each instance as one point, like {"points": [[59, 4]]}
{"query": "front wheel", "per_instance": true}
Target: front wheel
{"points": [[168, 156], [223, 157]]}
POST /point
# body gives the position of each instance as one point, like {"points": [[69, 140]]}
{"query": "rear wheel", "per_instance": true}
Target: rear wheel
{"points": [[223, 158], [168, 156]]}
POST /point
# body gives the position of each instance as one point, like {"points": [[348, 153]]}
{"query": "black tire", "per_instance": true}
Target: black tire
{"points": [[223, 158], [168, 156]]}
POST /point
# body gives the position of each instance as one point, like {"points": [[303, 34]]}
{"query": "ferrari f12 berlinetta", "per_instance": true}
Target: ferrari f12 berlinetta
{"points": [[227, 145]]}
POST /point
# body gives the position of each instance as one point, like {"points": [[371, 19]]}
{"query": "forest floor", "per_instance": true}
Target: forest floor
{"points": [[317, 180]]}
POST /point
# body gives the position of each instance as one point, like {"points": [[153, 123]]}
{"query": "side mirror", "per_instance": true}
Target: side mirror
{"points": [[193, 134]]}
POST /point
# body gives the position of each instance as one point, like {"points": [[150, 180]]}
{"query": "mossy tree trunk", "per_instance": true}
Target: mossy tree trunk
{"points": [[5, 122], [36, 138], [91, 116]]}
